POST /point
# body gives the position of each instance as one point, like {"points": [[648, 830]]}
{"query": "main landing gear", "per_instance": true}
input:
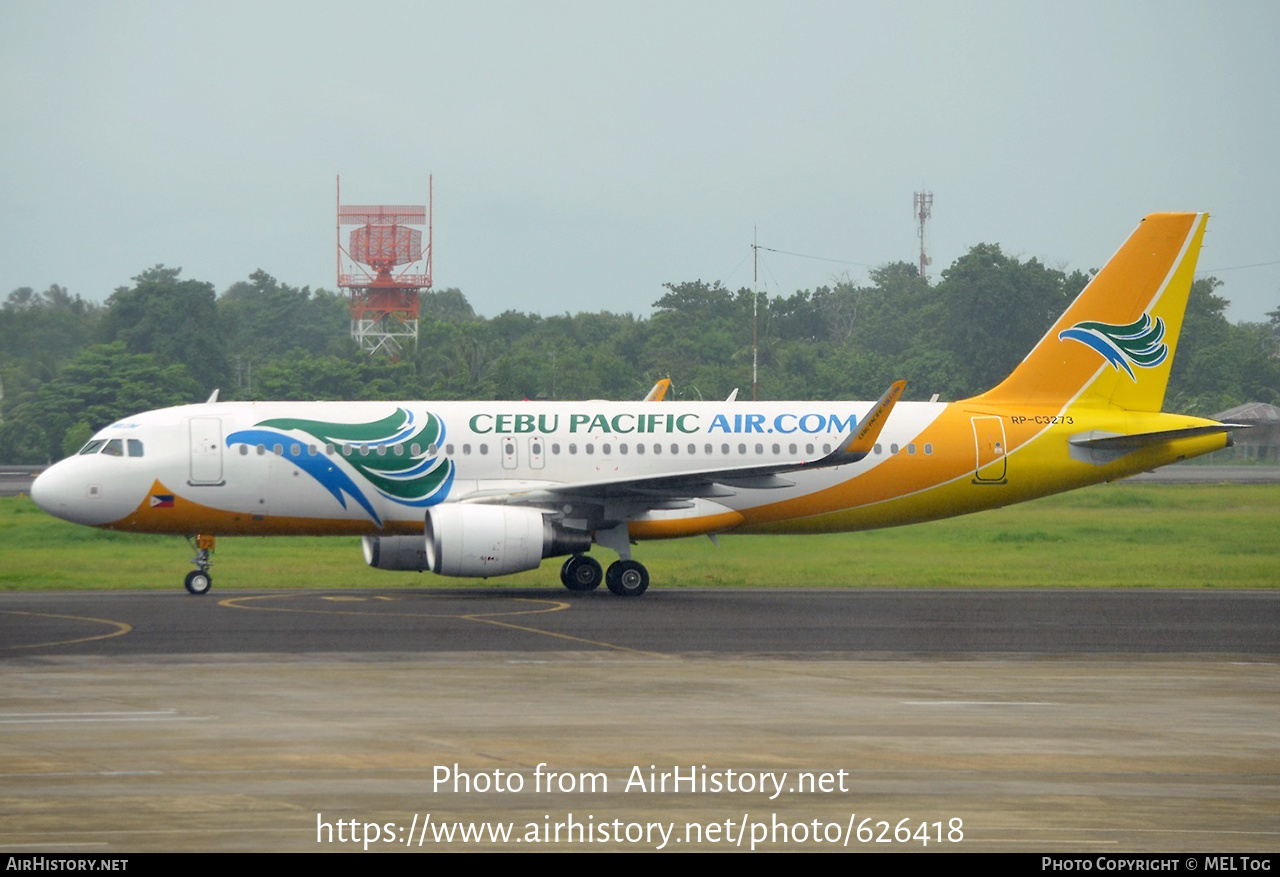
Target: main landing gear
{"points": [[626, 578], [198, 581], [581, 574]]}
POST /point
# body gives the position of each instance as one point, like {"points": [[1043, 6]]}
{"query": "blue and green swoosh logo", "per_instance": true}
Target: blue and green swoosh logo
{"points": [[1138, 343], [380, 452]]}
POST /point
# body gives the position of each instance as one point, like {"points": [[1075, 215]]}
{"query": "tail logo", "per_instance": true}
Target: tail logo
{"points": [[1138, 343]]}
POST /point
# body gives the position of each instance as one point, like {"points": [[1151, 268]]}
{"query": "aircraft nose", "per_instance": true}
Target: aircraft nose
{"points": [[74, 491], [49, 491]]}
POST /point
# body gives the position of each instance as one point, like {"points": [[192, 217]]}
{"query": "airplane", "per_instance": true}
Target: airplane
{"points": [[479, 489]]}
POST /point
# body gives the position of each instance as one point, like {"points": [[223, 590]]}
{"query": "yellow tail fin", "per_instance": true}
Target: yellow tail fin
{"points": [[1114, 346]]}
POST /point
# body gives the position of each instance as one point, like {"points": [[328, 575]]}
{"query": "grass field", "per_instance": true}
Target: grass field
{"points": [[1111, 535]]}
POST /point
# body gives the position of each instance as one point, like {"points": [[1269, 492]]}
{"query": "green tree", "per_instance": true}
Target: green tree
{"points": [[177, 320], [263, 319], [997, 309], [303, 376], [45, 329], [101, 384], [447, 305]]}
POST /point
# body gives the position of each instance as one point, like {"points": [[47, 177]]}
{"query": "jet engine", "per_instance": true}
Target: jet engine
{"points": [[474, 540]]}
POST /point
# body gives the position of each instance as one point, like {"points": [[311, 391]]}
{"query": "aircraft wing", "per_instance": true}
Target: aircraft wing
{"points": [[659, 391], [661, 490]]}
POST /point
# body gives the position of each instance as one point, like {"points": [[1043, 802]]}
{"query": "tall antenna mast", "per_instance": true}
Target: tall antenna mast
{"points": [[923, 209], [384, 268], [755, 315]]}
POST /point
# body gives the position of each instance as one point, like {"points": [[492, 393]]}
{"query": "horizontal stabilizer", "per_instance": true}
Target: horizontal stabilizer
{"points": [[1099, 447]]}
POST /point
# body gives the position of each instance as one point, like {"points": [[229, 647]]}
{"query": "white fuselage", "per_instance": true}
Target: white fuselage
{"points": [[297, 467]]}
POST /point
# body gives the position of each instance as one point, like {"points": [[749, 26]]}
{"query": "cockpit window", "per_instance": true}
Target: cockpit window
{"points": [[113, 447]]}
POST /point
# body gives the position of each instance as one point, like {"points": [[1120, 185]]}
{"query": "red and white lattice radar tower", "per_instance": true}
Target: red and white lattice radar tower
{"points": [[384, 267]]}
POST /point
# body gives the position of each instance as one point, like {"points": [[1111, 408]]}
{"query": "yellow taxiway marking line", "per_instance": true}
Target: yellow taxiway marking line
{"points": [[564, 636], [121, 629], [482, 618]]}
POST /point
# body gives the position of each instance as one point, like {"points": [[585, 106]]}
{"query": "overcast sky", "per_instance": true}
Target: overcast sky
{"points": [[586, 153]]}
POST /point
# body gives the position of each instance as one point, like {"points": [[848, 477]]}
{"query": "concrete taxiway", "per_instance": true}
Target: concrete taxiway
{"points": [[1022, 721]]}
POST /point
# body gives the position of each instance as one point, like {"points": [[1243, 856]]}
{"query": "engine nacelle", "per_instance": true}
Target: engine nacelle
{"points": [[474, 540], [401, 553]]}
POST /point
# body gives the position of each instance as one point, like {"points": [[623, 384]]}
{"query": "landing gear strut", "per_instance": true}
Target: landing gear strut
{"points": [[626, 577], [198, 581], [581, 573]]}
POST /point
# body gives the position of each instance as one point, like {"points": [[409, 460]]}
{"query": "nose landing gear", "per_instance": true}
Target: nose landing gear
{"points": [[198, 581]]}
